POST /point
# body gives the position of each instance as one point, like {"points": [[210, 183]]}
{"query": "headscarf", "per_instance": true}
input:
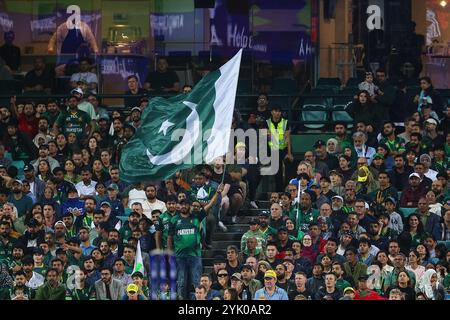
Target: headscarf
{"points": [[337, 148], [425, 284]]}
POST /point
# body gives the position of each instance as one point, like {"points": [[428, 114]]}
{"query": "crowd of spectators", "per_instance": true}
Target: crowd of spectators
{"points": [[365, 217]]}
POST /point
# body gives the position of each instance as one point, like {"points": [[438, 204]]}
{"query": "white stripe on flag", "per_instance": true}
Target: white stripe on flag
{"points": [[225, 87]]}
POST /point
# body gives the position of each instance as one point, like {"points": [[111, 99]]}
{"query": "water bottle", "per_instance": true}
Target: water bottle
{"points": [[244, 295]]}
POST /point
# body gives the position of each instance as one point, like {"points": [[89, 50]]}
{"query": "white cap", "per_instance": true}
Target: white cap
{"points": [[339, 197], [414, 174]]}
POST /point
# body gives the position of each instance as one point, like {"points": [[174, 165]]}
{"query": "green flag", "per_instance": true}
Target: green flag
{"points": [[185, 130], [138, 261]]}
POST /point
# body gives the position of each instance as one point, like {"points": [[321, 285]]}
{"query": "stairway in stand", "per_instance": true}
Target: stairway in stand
{"points": [[221, 240]]}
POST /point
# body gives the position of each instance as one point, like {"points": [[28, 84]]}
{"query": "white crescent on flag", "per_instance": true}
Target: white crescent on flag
{"points": [[182, 149]]}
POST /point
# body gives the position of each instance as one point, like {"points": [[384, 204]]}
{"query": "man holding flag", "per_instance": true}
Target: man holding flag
{"points": [[185, 237], [188, 129], [176, 134]]}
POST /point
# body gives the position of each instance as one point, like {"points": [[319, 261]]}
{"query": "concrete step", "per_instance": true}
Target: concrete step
{"points": [[224, 236], [222, 245], [208, 269], [241, 228], [213, 252]]}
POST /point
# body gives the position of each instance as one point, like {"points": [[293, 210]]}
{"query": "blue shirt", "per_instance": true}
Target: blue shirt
{"points": [[87, 250], [279, 294]]}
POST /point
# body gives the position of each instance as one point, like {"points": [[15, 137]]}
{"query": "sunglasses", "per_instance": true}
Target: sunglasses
{"points": [[223, 275]]}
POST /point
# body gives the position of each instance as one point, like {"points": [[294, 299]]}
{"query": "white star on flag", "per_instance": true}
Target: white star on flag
{"points": [[164, 126]]}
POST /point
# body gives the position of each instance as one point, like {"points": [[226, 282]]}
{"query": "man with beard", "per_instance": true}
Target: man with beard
{"points": [[20, 291], [112, 221], [92, 274], [44, 155], [399, 173], [81, 290], [32, 236], [14, 261], [264, 227], [73, 120], [280, 270], [306, 214], [349, 197], [37, 186], [343, 139], [135, 117], [6, 241], [86, 187], [410, 196], [85, 244], [52, 112], [43, 136], [28, 123], [132, 224], [108, 256], [323, 156], [22, 202], [152, 203], [164, 219], [337, 215], [395, 144], [33, 279], [52, 289], [114, 173], [184, 237], [114, 242], [62, 186]]}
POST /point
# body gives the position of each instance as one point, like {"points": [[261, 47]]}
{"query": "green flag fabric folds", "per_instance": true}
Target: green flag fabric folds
{"points": [[185, 130]]}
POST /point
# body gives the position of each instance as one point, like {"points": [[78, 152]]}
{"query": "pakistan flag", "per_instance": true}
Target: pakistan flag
{"points": [[185, 130]]}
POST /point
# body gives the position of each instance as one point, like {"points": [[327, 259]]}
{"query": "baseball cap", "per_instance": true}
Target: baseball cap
{"points": [[132, 288], [60, 223], [336, 173], [113, 186], [270, 274], [237, 275], [319, 143], [391, 199], [28, 167], [105, 203], [77, 90], [264, 213], [254, 221], [337, 197], [414, 174], [247, 267], [349, 289], [136, 109], [363, 277], [432, 121], [18, 181], [378, 156]]}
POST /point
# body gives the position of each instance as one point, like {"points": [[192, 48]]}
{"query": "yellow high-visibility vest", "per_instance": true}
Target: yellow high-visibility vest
{"points": [[277, 135]]}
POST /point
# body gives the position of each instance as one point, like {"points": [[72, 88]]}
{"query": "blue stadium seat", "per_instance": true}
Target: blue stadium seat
{"points": [[314, 116], [407, 211]]}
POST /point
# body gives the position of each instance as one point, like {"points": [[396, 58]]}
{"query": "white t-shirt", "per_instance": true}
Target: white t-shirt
{"points": [[136, 196], [149, 207], [87, 77]]}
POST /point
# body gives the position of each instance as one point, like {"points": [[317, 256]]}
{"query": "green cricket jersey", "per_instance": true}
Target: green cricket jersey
{"points": [[164, 223], [186, 234]]}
